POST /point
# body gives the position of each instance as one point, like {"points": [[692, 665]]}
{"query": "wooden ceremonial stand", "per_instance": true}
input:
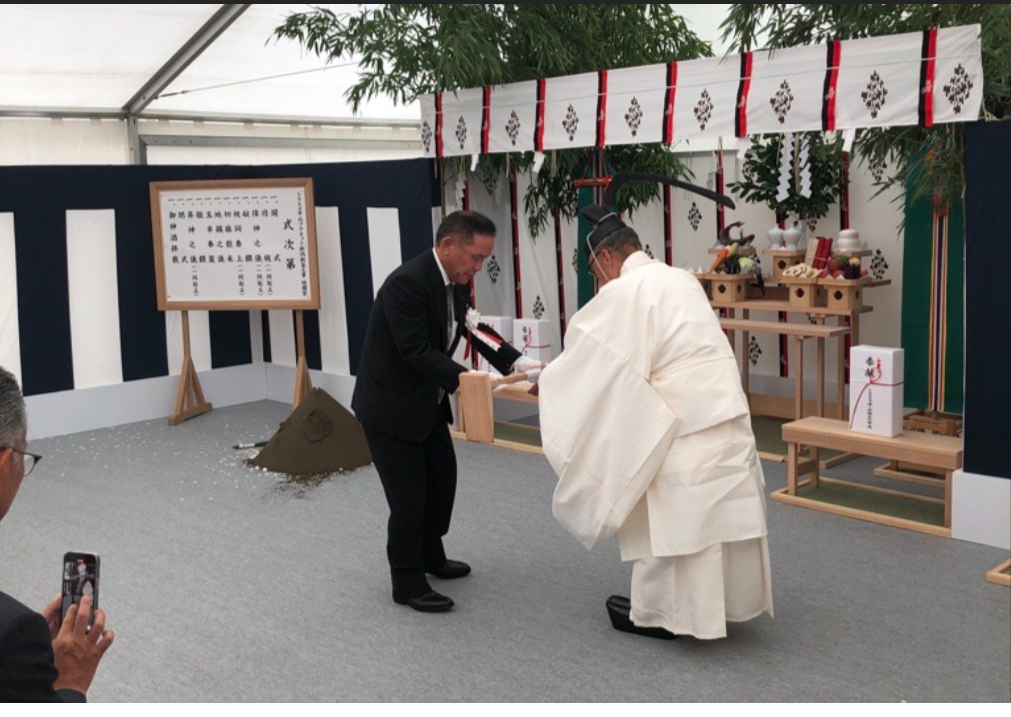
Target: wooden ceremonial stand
{"points": [[476, 411], [303, 382], [190, 401]]}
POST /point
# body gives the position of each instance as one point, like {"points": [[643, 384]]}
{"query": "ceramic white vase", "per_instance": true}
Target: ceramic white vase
{"points": [[775, 238], [791, 237]]}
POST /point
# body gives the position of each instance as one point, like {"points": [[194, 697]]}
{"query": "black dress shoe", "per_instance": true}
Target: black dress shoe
{"points": [[450, 570], [618, 609], [429, 602]]}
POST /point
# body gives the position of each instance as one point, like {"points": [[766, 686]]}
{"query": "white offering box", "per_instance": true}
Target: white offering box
{"points": [[532, 337], [504, 326], [877, 376]]}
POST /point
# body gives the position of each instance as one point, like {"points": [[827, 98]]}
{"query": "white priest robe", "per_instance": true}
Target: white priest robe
{"points": [[645, 422]]}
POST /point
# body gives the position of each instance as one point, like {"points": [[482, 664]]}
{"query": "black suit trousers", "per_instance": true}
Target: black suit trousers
{"points": [[420, 484]]}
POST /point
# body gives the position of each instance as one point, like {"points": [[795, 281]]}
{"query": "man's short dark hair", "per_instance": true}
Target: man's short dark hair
{"points": [[13, 421], [463, 226], [624, 241]]}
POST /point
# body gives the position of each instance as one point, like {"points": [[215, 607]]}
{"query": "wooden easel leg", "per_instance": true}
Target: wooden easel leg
{"points": [[190, 401], [183, 392], [303, 381]]}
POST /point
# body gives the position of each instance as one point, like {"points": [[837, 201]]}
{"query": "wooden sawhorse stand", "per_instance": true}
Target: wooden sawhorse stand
{"points": [[190, 401]]}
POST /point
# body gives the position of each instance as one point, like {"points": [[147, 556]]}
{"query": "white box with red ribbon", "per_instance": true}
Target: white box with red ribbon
{"points": [[877, 381], [532, 337]]}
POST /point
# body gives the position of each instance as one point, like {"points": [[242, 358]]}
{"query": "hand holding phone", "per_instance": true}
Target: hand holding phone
{"points": [[78, 650], [80, 579], [80, 640]]}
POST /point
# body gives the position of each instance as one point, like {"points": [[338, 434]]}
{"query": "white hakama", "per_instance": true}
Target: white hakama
{"points": [[699, 594]]}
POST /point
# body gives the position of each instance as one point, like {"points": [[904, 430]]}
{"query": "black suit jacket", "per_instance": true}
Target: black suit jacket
{"points": [[405, 359], [27, 672]]}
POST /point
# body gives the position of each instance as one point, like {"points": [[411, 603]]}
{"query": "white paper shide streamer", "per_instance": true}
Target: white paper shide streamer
{"points": [[785, 167], [804, 161]]}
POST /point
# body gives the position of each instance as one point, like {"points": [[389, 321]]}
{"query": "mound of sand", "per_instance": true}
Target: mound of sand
{"points": [[320, 436]]}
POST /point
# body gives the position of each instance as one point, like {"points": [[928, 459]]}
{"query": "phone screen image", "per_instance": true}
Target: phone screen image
{"points": [[80, 579]]}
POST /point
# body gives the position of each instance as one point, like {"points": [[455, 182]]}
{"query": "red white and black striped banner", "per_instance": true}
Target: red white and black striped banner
{"points": [[924, 78]]}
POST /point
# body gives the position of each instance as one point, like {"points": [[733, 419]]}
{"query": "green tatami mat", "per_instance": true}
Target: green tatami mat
{"points": [[515, 433], [858, 498]]}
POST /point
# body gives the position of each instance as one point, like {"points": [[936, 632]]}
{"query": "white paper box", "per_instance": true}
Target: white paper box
{"points": [[532, 338], [877, 394], [504, 326]]}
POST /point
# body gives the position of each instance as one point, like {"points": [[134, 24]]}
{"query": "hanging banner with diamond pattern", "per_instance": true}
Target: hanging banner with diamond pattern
{"points": [[462, 118], [786, 90], [635, 105], [706, 101], [956, 85], [512, 116], [879, 81], [429, 125], [570, 111], [926, 78]]}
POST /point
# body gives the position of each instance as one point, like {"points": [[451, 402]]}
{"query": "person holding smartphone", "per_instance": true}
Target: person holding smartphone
{"points": [[44, 657]]}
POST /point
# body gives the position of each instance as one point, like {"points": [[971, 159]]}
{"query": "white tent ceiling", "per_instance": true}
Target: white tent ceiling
{"points": [[96, 58]]}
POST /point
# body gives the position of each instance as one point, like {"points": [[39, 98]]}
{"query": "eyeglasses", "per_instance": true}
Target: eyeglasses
{"points": [[30, 459]]}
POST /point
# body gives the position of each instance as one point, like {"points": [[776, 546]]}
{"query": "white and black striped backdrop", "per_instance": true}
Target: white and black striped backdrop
{"points": [[77, 292]]}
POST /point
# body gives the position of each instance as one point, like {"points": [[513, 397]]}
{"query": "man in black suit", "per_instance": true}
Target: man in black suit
{"points": [[402, 393], [41, 660]]}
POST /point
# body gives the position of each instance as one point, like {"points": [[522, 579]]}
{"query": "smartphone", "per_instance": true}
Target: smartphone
{"points": [[80, 578]]}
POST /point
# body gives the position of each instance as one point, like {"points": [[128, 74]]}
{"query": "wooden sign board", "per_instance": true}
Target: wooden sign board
{"points": [[235, 244]]}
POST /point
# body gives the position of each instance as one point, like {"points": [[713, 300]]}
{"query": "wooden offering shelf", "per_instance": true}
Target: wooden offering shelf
{"points": [[844, 294], [727, 289], [805, 293]]}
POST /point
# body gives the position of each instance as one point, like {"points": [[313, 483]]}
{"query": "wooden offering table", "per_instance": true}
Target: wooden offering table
{"points": [[942, 453]]}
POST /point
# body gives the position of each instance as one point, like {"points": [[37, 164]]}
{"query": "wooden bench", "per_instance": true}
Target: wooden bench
{"points": [[940, 453]]}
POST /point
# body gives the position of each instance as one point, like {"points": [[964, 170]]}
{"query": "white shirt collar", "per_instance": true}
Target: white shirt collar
{"points": [[634, 261], [445, 276]]}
